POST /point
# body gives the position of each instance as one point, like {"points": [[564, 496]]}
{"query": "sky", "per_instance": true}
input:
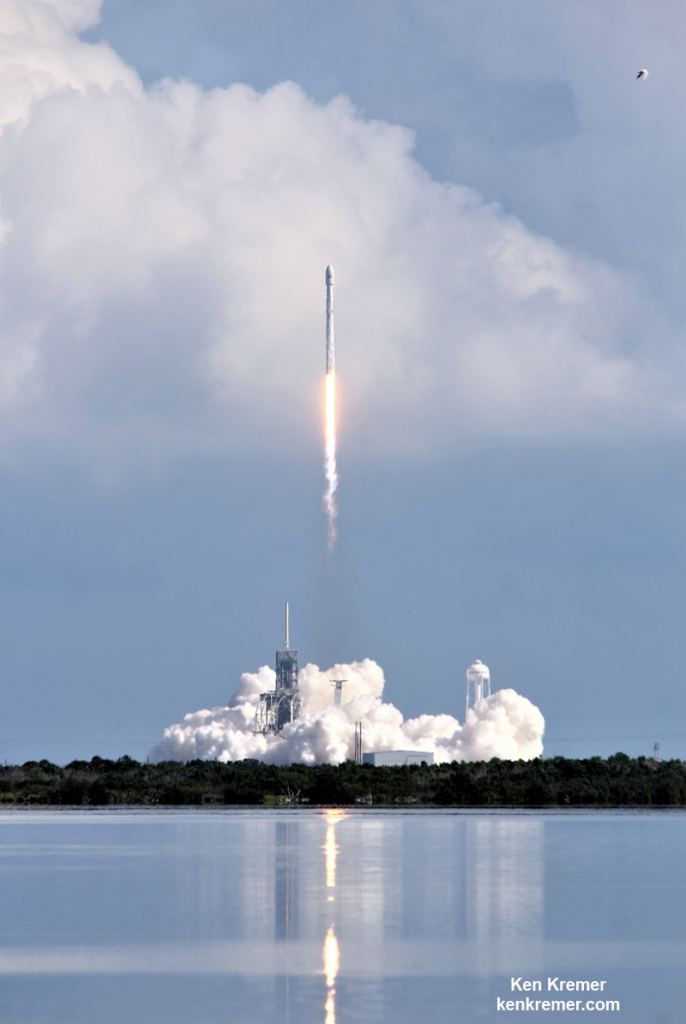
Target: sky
{"points": [[502, 202]]}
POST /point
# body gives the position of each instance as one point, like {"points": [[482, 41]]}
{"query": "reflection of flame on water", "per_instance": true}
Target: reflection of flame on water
{"points": [[333, 816], [332, 960], [331, 952]]}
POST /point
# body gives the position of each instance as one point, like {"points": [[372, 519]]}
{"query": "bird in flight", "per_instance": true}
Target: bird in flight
{"points": [[643, 73]]}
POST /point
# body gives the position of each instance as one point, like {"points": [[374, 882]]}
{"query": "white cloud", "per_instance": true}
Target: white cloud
{"points": [[161, 276], [40, 55]]}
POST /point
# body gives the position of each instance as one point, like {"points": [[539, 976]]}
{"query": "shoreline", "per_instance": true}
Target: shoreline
{"points": [[543, 783]]}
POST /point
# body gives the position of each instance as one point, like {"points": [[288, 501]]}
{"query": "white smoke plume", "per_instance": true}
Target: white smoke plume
{"points": [[142, 228], [504, 725]]}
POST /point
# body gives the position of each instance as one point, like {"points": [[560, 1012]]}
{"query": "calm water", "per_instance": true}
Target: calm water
{"points": [[245, 917]]}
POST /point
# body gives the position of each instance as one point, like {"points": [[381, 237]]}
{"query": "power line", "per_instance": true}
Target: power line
{"points": [[70, 743], [661, 714], [644, 736]]}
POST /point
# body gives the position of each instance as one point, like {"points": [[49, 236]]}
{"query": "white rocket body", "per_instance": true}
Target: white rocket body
{"points": [[330, 350]]}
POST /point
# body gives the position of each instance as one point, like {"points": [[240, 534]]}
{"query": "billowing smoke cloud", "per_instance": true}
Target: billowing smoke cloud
{"points": [[505, 725], [160, 277]]}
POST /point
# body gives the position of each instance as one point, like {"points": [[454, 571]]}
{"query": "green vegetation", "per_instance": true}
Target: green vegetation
{"points": [[546, 782]]}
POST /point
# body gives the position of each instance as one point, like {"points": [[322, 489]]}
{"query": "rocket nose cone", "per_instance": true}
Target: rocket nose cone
{"points": [[329, 274]]}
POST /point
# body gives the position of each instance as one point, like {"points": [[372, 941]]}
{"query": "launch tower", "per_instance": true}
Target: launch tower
{"points": [[280, 706]]}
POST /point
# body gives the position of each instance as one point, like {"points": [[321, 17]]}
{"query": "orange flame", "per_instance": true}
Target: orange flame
{"points": [[330, 457]]}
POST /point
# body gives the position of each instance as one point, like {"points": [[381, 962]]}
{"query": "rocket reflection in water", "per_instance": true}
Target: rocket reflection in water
{"points": [[331, 952]]}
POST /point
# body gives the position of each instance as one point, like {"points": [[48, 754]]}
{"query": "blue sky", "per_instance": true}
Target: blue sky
{"points": [[509, 348]]}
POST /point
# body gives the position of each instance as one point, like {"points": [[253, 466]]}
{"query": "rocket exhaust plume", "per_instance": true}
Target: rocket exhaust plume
{"points": [[504, 724], [330, 470]]}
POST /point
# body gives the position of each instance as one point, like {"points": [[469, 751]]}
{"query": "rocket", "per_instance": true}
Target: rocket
{"points": [[330, 351]]}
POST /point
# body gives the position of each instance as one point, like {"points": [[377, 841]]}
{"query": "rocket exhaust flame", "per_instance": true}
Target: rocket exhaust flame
{"points": [[330, 469]]}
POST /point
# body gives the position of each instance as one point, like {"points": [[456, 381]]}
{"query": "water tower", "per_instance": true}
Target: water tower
{"points": [[478, 684]]}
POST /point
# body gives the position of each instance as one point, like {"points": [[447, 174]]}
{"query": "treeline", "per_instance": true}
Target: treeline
{"points": [[545, 782]]}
